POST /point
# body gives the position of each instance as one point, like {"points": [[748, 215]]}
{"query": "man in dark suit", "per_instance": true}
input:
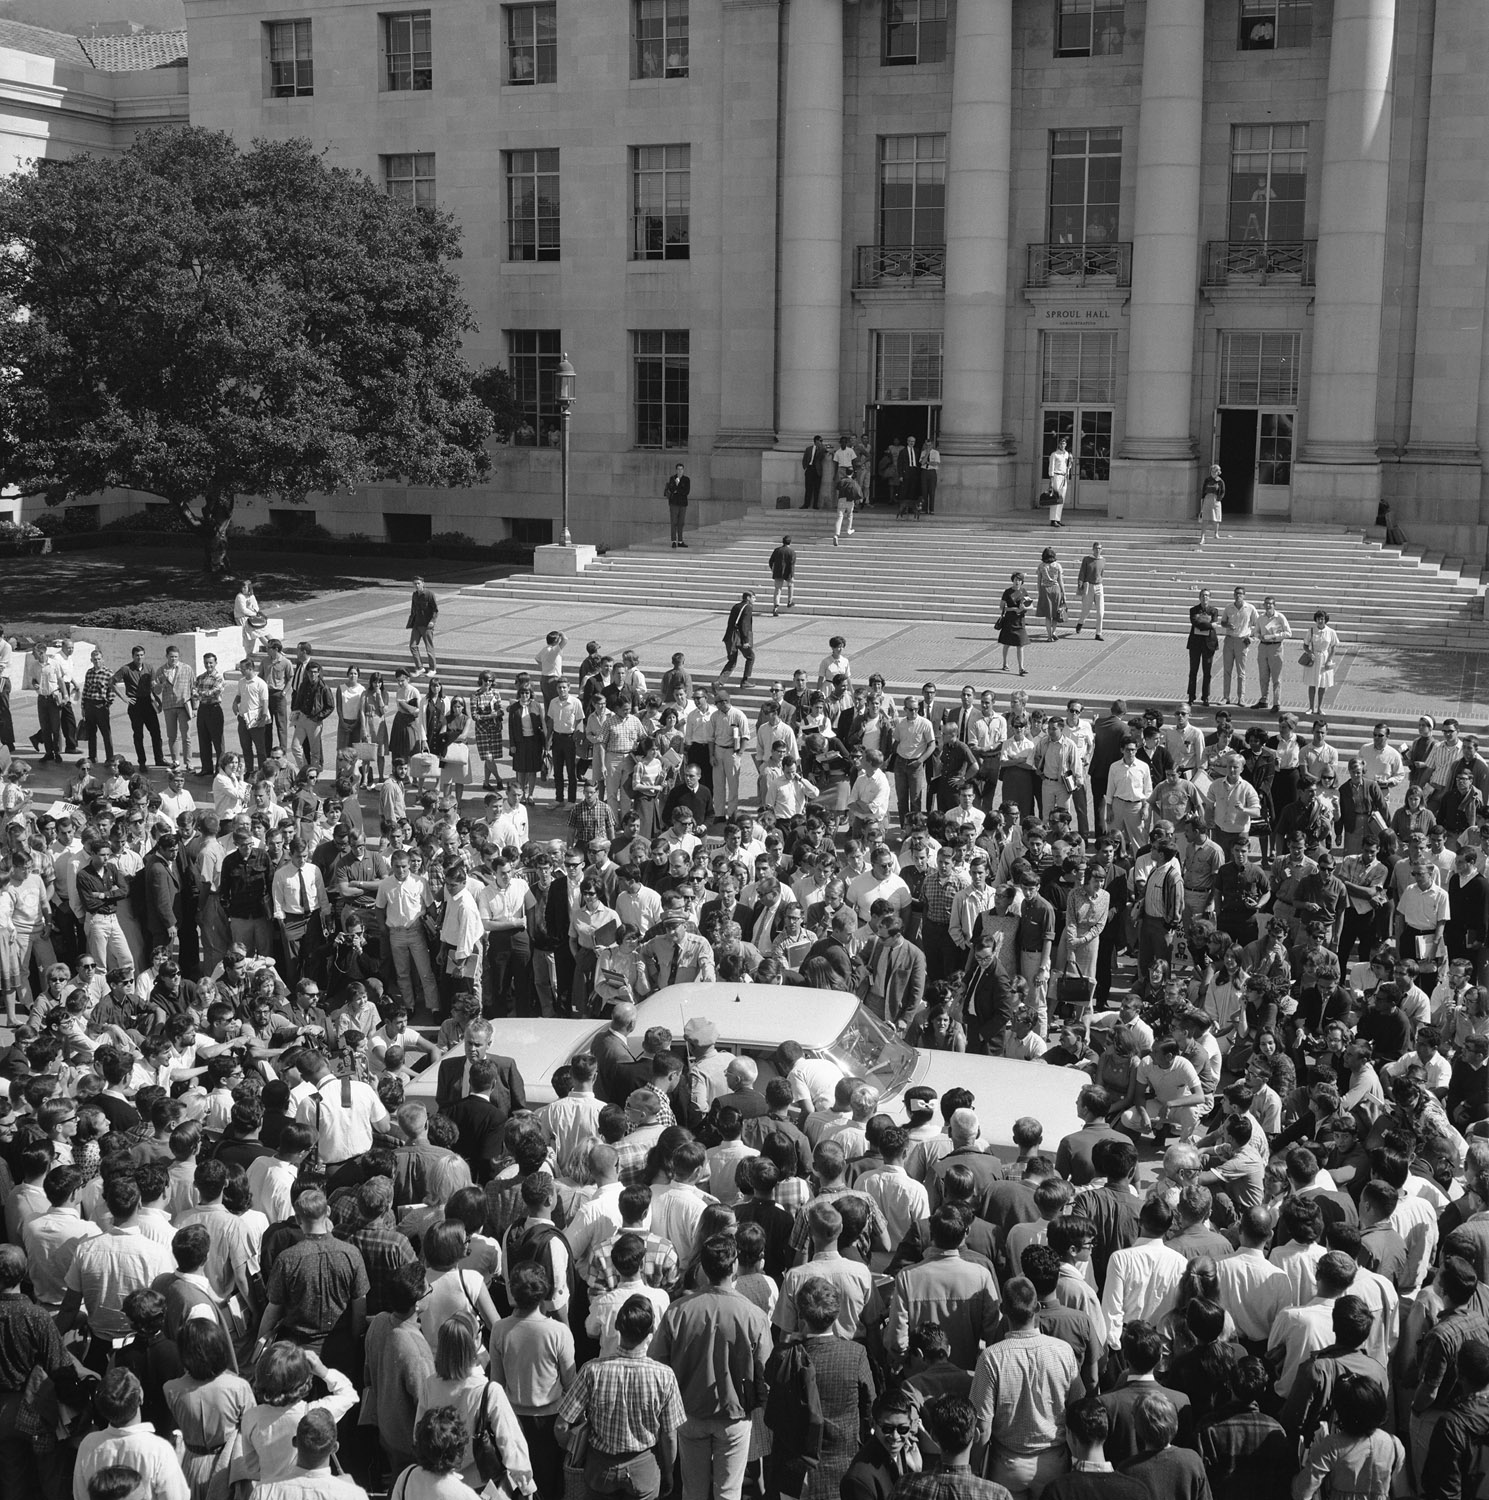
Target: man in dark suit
{"points": [[612, 1052], [739, 636], [453, 1081], [1109, 730], [835, 947], [480, 1120], [893, 973], [740, 1075], [1142, 1344], [813, 457]]}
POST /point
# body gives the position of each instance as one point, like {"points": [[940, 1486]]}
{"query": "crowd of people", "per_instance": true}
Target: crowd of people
{"points": [[252, 1254]]}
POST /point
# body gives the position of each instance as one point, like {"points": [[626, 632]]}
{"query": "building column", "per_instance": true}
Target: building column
{"points": [[1156, 469], [1437, 486], [979, 158], [1337, 477], [811, 290]]}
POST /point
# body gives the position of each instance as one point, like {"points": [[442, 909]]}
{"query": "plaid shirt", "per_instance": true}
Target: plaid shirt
{"points": [[793, 1194], [659, 1264], [946, 1483], [589, 821], [875, 1232], [628, 1401], [98, 688], [940, 895], [384, 1250], [623, 735]]}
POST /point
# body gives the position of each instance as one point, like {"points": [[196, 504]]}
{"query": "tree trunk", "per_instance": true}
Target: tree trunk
{"points": [[216, 517]]}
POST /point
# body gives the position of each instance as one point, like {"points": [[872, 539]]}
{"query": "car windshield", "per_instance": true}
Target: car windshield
{"points": [[866, 1048]]}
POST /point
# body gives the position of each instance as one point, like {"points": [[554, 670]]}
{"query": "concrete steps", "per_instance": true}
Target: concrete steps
{"points": [[956, 570]]}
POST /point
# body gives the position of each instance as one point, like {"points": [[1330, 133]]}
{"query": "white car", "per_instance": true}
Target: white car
{"points": [[754, 1019]]}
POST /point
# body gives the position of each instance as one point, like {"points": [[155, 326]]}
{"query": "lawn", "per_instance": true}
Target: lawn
{"points": [[166, 590]]}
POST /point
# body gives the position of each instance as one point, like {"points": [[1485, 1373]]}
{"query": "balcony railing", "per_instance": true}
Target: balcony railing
{"points": [[899, 266], [1080, 265], [1259, 262]]}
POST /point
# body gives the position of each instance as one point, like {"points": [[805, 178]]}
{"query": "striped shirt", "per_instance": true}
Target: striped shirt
{"points": [[940, 895], [628, 1401]]}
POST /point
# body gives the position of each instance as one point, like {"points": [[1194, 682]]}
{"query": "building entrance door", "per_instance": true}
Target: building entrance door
{"points": [[1235, 452], [1088, 433], [891, 420]]}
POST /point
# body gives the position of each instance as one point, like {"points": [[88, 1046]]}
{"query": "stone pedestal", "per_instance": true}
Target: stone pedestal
{"points": [[1148, 489], [978, 486], [1341, 494], [557, 561]]}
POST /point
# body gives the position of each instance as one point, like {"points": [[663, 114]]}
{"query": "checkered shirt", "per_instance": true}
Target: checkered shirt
{"points": [[659, 1265], [628, 1401]]}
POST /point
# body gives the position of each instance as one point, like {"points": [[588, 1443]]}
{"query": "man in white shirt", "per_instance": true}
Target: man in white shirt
{"points": [[914, 744], [869, 798], [1128, 792], [175, 799], [1383, 763], [49, 1238], [729, 732], [343, 1112], [572, 1124], [503, 906], [1142, 1282], [402, 898], [1238, 621], [1251, 1289], [128, 1443], [510, 827], [880, 882]]}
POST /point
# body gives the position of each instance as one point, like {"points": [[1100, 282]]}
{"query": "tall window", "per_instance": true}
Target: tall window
{"points": [[406, 42], [659, 30], [410, 178], [1259, 369], [914, 31], [1079, 369], [1268, 182], [532, 43], [1085, 186], [291, 69], [1267, 25], [659, 214], [907, 367], [912, 190], [532, 205], [661, 381], [533, 355], [1088, 28]]}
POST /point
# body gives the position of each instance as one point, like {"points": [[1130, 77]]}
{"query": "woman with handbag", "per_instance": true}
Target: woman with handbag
{"points": [[1051, 592], [455, 768], [407, 733], [1012, 629], [494, 1446], [1317, 660], [488, 714]]}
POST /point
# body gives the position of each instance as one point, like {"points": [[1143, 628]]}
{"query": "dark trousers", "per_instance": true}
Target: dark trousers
{"points": [[562, 747], [509, 957], [96, 725], [253, 743], [299, 938], [49, 732], [1359, 927], [546, 1455], [1200, 661], [942, 956], [677, 516], [279, 718], [813, 488], [144, 720], [69, 725], [748, 652], [209, 736]]}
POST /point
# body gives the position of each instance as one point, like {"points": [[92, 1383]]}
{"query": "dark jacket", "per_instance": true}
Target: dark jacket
{"points": [[783, 562], [740, 631], [509, 1085]]}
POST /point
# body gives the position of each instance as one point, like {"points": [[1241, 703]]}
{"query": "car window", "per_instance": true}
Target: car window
{"points": [[866, 1048]]}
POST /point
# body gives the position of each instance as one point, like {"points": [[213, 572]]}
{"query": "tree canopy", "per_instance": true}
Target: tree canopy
{"points": [[201, 322]]}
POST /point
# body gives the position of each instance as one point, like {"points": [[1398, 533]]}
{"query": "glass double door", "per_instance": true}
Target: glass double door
{"points": [[1087, 431]]}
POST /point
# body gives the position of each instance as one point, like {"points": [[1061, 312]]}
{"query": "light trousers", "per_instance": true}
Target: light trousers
{"points": [[1095, 595], [714, 1455], [1235, 652], [1269, 669]]}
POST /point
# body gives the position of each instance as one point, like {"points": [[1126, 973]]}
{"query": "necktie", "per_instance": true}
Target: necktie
{"points": [[304, 893], [676, 960], [966, 715]]}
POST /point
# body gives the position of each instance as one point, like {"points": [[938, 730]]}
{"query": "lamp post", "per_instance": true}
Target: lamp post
{"points": [[564, 393]]}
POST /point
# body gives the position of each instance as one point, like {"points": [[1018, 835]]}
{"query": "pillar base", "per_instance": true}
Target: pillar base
{"points": [[781, 474], [1335, 493], [980, 486], [557, 561], [1150, 489]]}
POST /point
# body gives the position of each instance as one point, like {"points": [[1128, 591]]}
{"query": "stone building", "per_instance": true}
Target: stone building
{"points": [[1177, 232]]}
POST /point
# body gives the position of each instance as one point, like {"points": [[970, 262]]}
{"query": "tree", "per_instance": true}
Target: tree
{"points": [[200, 322], [495, 387]]}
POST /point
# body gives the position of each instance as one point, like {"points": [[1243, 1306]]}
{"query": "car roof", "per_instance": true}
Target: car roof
{"points": [[754, 1014]]}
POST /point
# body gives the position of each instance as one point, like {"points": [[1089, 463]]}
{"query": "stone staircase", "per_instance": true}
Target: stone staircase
{"points": [[954, 570]]}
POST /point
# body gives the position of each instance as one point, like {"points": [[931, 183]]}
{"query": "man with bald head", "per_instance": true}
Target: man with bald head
{"points": [[967, 1150], [739, 1080], [612, 1051]]}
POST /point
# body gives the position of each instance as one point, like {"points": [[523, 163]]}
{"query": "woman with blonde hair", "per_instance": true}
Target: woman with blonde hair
{"points": [[461, 1382], [444, 1176], [283, 1381]]}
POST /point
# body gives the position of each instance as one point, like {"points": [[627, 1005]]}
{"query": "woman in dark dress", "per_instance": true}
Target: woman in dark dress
{"points": [[1012, 629], [435, 710], [404, 736], [525, 730], [845, 1391]]}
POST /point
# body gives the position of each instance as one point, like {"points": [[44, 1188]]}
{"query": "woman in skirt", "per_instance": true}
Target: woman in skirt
{"points": [[407, 733], [525, 726], [375, 720], [486, 712], [1012, 630]]}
